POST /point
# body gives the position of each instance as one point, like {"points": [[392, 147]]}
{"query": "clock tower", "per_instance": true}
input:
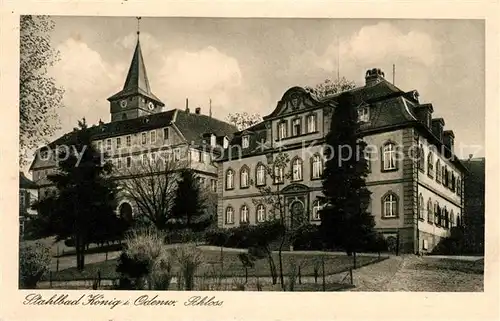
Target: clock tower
{"points": [[136, 98]]}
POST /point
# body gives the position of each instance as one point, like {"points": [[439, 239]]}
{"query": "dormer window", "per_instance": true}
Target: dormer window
{"points": [[363, 114], [225, 142], [245, 141], [212, 140]]}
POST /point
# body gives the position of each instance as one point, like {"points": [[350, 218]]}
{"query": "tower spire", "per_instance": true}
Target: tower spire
{"points": [[138, 27]]}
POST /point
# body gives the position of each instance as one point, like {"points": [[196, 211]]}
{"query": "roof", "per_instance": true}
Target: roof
{"points": [[137, 79], [25, 182]]}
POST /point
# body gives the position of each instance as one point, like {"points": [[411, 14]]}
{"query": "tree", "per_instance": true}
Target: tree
{"points": [[276, 205], [331, 87], [83, 206], [345, 220], [39, 96], [243, 120], [152, 185], [189, 206]]}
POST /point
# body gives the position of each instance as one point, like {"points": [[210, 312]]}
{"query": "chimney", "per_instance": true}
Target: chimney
{"points": [[373, 76], [437, 127], [197, 110], [187, 105], [448, 139], [424, 114]]}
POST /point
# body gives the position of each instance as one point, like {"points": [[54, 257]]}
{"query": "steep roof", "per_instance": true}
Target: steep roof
{"points": [[25, 182], [137, 79]]}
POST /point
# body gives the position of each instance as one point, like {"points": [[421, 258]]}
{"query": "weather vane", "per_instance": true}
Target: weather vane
{"points": [[138, 25]]}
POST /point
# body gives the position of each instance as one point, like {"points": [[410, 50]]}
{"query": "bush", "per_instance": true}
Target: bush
{"points": [[455, 244], [162, 271], [309, 239], [217, 237], [189, 258], [34, 262]]}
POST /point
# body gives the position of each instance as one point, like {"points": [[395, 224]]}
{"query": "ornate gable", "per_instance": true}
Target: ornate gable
{"points": [[295, 99]]}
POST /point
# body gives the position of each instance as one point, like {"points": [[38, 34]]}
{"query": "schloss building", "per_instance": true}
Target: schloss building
{"points": [[419, 200]]}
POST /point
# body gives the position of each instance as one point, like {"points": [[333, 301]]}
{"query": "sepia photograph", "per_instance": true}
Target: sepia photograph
{"points": [[251, 154]]}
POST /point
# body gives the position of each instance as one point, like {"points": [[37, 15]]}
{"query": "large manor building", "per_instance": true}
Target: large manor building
{"points": [[416, 201]]}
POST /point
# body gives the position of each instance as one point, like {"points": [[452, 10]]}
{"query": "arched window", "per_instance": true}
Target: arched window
{"points": [[125, 211], [317, 206], [317, 167], [421, 158], [296, 169], [430, 164], [438, 171], [244, 214], [261, 213], [229, 215], [436, 213], [279, 174], [389, 157], [446, 222], [452, 219], [229, 179], [421, 207], [260, 174], [429, 211], [390, 205], [244, 177]]}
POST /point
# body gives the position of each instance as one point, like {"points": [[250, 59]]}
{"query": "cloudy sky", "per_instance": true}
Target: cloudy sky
{"points": [[247, 64]]}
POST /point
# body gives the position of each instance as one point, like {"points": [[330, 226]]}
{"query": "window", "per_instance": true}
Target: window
{"points": [[421, 158], [261, 213], [229, 215], [244, 174], [453, 182], [282, 132], [195, 155], [177, 154], [144, 138], [421, 207], [153, 137], [201, 157], [438, 171], [244, 214], [145, 159], [389, 157], [452, 219], [316, 211], [445, 222], [279, 175], [367, 157], [297, 169], [108, 144], [437, 213], [129, 141], [363, 114], [153, 158], [165, 135], [429, 211], [213, 185], [119, 163], [311, 123], [444, 176], [296, 127], [430, 164], [459, 186], [390, 205], [129, 162], [229, 179], [99, 146], [317, 166], [118, 143], [260, 175], [245, 141]]}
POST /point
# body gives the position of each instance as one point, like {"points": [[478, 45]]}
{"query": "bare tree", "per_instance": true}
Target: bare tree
{"points": [[331, 87], [273, 197], [243, 120], [151, 184]]}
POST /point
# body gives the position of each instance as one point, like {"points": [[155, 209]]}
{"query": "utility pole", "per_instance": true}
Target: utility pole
{"points": [[210, 107], [394, 74]]}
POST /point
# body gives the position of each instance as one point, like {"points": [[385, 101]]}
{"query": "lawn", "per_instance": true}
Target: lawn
{"points": [[232, 266], [475, 267]]}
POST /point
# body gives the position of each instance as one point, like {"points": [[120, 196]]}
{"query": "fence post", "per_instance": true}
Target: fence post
{"points": [[57, 264], [300, 276], [246, 274], [350, 275], [50, 279], [323, 267]]}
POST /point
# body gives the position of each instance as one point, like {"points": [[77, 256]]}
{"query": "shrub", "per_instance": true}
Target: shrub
{"points": [[217, 237], [309, 238], [162, 271], [34, 262], [189, 258]]}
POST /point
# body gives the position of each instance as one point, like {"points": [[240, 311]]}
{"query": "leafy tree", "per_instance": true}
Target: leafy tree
{"points": [[34, 262], [189, 206], [243, 120], [331, 87], [345, 220], [39, 96], [84, 204]]}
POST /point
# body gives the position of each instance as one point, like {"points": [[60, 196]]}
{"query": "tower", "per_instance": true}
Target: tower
{"points": [[136, 98]]}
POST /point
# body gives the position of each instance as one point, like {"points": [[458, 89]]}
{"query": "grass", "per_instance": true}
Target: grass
{"points": [[475, 267], [232, 266]]}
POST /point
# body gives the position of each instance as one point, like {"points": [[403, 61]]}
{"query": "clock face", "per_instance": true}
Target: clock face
{"points": [[123, 103], [151, 106]]}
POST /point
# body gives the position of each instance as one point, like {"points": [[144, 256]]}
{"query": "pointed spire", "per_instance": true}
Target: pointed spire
{"points": [[137, 81]]}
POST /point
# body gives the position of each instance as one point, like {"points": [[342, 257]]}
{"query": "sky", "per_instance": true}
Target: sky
{"points": [[247, 64]]}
